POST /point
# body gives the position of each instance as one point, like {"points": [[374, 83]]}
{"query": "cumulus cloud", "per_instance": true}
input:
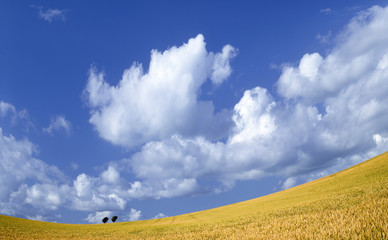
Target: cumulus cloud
{"points": [[95, 194], [17, 166], [31, 187], [253, 117], [58, 123], [164, 101], [261, 144], [111, 175], [134, 215], [47, 196], [221, 67], [359, 50], [331, 114]]}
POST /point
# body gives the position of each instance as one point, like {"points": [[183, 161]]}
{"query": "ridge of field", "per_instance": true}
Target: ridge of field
{"points": [[351, 204]]}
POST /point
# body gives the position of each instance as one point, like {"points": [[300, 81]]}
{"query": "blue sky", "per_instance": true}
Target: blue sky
{"points": [[146, 109]]}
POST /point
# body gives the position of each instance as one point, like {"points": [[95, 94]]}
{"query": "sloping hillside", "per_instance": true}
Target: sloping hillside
{"points": [[350, 204]]}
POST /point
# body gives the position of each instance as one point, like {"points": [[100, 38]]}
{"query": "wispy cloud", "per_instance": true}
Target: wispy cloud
{"points": [[98, 216], [50, 14], [326, 10], [9, 113], [6, 108], [57, 124], [160, 215], [324, 38]]}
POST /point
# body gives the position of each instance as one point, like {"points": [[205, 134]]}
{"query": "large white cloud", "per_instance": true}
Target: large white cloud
{"points": [[331, 114], [164, 101], [359, 50]]}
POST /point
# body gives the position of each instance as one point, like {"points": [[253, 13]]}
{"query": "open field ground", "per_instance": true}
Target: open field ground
{"points": [[352, 204]]}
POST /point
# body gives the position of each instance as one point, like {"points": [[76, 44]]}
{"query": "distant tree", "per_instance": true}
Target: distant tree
{"points": [[105, 219], [114, 218]]}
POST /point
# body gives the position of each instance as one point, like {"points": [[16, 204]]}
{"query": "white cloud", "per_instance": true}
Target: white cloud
{"points": [[98, 216], [333, 115], [379, 140], [94, 194], [47, 196], [38, 218], [309, 65], [160, 215], [111, 175], [289, 182], [221, 68], [74, 166], [57, 124], [360, 48], [9, 112], [326, 10], [6, 108], [253, 117], [51, 15], [324, 38], [261, 143], [134, 215], [31, 187], [18, 166], [164, 101], [45, 218]]}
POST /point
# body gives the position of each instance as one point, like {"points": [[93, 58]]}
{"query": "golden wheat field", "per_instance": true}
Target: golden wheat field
{"points": [[351, 204]]}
